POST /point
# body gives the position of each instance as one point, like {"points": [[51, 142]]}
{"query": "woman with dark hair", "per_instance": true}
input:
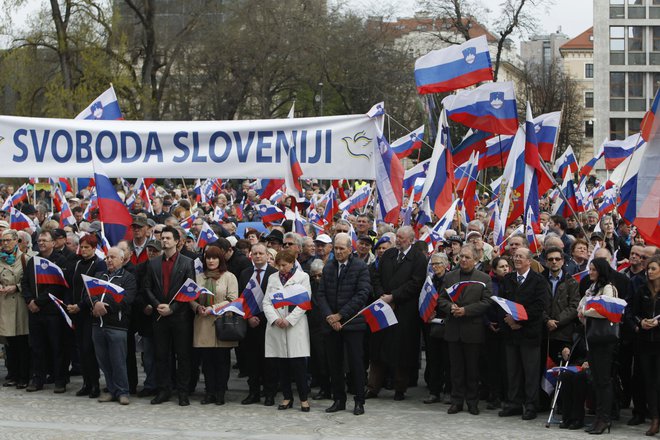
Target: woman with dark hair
{"points": [[214, 354], [600, 354], [287, 332], [80, 309], [645, 310]]}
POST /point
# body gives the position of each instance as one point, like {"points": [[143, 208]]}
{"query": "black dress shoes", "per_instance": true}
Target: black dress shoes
{"points": [[269, 401], [529, 414], [146, 392], [34, 387], [250, 399], [398, 395], [511, 411], [161, 397], [359, 409], [183, 399], [577, 424], [565, 424], [321, 395], [636, 420], [432, 399], [473, 409], [94, 392], [208, 399], [220, 399], [370, 394], [84, 391], [337, 405], [454, 409]]}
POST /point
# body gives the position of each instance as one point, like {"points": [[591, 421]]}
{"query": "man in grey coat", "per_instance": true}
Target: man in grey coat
{"points": [[344, 290], [465, 328]]}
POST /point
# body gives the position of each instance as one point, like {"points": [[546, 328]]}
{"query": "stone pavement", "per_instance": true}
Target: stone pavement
{"points": [[44, 415]]}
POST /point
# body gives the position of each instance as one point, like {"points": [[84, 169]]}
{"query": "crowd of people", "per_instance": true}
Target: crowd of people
{"points": [[474, 350]]}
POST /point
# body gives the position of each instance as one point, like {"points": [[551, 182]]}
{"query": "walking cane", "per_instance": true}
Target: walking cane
{"points": [[558, 388]]}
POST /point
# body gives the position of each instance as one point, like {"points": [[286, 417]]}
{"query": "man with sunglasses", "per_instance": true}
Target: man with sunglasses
{"points": [[138, 246]]}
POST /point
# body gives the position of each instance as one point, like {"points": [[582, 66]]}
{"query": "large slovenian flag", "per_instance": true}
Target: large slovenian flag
{"points": [[437, 233], [188, 221], [66, 215], [104, 107], [616, 152], [267, 187], [206, 236], [474, 140], [47, 272], [97, 287], [439, 185], [389, 181], [19, 195], [546, 127], [649, 119], [566, 163], [252, 298], [454, 67], [514, 180], [189, 291], [236, 306], [405, 145], [562, 208], [270, 213], [299, 224], [496, 153], [411, 175], [428, 299], [331, 205], [358, 200], [19, 221], [112, 212], [517, 311], [586, 169], [293, 173], [607, 307], [529, 231], [293, 295], [379, 315], [608, 203], [490, 107], [537, 180], [456, 290]]}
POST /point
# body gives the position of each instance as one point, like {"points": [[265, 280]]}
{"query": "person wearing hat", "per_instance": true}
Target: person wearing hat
{"points": [[455, 244], [275, 240], [363, 249], [323, 244], [60, 246], [139, 227]]}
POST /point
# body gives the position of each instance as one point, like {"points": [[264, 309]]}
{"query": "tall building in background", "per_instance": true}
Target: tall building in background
{"points": [[626, 64], [578, 61], [543, 49]]}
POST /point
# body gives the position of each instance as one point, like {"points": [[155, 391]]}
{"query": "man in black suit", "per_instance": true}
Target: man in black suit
{"points": [[464, 329], [259, 369], [523, 338], [398, 281], [344, 290], [173, 328]]}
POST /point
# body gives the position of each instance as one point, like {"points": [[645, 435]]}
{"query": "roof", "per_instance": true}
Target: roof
{"points": [[405, 26], [584, 41]]}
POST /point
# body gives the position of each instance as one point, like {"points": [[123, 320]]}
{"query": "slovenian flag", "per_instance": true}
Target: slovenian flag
{"points": [[19, 195], [19, 221], [490, 107], [294, 295], [379, 315], [517, 311], [389, 181], [454, 67], [188, 221], [474, 140], [97, 287], [206, 236], [293, 173], [270, 213], [617, 151], [456, 290], [565, 163], [546, 127], [607, 307], [428, 300], [405, 145], [47, 272], [235, 306], [358, 200], [252, 298], [60, 305], [189, 291], [112, 211], [104, 107], [411, 175]]}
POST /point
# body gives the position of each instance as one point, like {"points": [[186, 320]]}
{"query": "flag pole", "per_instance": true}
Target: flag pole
{"points": [[358, 313]]}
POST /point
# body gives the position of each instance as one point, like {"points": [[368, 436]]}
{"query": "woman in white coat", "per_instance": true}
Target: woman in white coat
{"points": [[287, 333]]}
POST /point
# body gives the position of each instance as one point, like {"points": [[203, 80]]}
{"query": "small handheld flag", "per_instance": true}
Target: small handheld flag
{"points": [[235, 306], [379, 315], [428, 299], [294, 295], [454, 291], [60, 305], [252, 298], [47, 272], [517, 311], [206, 236], [189, 291], [97, 287], [607, 307]]}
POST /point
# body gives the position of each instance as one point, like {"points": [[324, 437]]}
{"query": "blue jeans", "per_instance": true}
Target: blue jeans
{"points": [[110, 348]]}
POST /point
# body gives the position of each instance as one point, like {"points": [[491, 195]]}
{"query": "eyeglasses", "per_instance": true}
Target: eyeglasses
{"points": [[6, 240], [437, 264], [288, 244], [555, 259]]}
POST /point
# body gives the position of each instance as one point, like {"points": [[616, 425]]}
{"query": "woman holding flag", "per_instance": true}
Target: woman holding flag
{"points": [[646, 312], [287, 334], [220, 287], [600, 354]]}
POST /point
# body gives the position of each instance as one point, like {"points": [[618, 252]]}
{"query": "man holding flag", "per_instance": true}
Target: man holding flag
{"points": [[464, 327], [111, 310], [344, 290], [45, 321], [173, 328]]}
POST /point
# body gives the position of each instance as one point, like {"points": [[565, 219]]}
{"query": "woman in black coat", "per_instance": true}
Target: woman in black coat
{"points": [[646, 309]]}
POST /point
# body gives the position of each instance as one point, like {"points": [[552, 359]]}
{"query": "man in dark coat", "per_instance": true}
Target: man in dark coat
{"points": [[522, 338], [398, 281], [344, 290], [260, 371], [465, 329], [173, 328]]}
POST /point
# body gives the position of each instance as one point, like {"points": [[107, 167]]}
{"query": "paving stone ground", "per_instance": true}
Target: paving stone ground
{"points": [[45, 415]]}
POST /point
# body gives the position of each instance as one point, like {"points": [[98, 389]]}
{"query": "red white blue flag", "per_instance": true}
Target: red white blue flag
{"points": [[405, 145], [496, 153], [97, 287], [189, 291], [389, 181], [60, 306], [428, 300], [19, 221], [456, 290], [104, 107], [517, 311], [235, 306], [439, 185], [566, 163], [47, 272], [546, 128], [454, 67], [19, 196], [607, 307], [294, 295], [474, 140], [617, 151], [293, 173], [358, 200], [206, 236], [379, 315], [252, 298], [270, 213], [112, 211], [411, 175]]}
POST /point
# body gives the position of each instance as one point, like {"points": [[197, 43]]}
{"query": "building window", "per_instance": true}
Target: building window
{"points": [[636, 9], [636, 46], [654, 56], [617, 45], [634, 126], [589, 129], [654, 9], [589, 70], [588, 99], [617, 91], [617, 9], [636, 96], [617, 129]]}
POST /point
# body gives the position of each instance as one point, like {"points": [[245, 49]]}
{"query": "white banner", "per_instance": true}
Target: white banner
{"points": [[331, 147]]}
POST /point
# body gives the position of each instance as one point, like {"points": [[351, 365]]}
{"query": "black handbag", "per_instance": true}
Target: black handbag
{"points": [[602, 331], [230, 327]]}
